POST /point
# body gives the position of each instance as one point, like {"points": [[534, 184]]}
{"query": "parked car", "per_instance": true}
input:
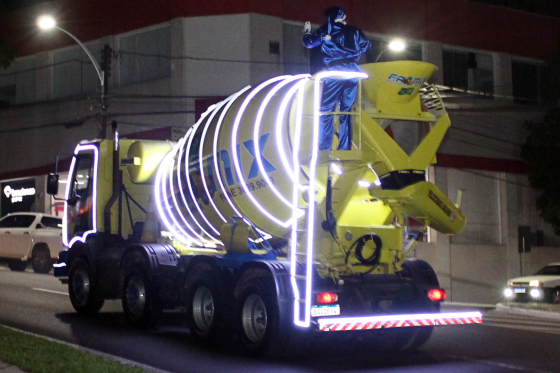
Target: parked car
{"points": [[30, 237], [543, 286]]}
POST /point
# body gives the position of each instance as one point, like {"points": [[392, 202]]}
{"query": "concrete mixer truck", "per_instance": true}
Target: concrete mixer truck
{"points": [[249, 229]]}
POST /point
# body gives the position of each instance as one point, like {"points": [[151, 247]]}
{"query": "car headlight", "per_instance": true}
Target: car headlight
{"points": [[535, 293], [534, 283], [508, 293]]}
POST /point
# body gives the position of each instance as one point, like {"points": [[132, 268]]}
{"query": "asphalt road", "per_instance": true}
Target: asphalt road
{"points": [[39, 304]]}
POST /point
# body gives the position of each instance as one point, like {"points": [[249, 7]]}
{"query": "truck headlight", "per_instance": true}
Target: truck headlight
{"points": [[534, 283], [508, 293], [535, 293]]}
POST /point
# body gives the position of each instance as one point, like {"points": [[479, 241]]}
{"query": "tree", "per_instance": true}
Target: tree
{"points": [[541, 152]]}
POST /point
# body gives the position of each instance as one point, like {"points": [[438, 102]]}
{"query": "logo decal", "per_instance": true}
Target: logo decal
{"points": [[406, 91], [442, 206], [405, 81]]}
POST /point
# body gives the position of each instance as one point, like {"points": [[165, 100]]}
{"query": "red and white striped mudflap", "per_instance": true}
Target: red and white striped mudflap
{"points": [[398, 321]]}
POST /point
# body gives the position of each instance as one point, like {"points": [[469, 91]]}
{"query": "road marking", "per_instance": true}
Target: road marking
{"points": [[50, 291]]}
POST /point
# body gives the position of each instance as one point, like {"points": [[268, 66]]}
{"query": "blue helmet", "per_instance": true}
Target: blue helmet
{"points": [[334, 13]]}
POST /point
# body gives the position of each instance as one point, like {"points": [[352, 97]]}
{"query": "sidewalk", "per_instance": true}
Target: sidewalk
{"points": [[6, 368], [541, 310]]}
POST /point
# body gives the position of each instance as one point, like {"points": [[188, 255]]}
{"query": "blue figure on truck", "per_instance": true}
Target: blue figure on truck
{"points": [[341, 47]]}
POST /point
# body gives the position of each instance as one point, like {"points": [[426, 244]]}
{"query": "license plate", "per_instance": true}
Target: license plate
{"points": [[519, 290], [330, 310]]}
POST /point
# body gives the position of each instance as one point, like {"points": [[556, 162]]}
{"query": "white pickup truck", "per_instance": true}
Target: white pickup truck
{"points": [[30, 237]]}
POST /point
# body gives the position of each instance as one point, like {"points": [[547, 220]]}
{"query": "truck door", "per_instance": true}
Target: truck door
{"points": [[15, 237], [79, 205]]}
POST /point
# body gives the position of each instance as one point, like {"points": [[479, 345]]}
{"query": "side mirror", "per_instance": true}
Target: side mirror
{"points": [[52, 184]]}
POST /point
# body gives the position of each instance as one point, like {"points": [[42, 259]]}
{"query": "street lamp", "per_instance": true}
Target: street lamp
{"points": [[47, 22], [396, 45]]}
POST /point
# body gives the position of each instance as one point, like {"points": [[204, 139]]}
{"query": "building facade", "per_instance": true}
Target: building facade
{"points": [[171, 59]]}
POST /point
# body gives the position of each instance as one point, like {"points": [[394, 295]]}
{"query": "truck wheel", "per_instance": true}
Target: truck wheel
{"points": [[424, 277], [257, 313], [205, 303], [82, 289], [139, 298], [41, 259], [17, 265]]}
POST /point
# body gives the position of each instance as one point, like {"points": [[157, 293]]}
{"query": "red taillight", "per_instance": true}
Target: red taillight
{"points": [[327, 298], [436, 294]]}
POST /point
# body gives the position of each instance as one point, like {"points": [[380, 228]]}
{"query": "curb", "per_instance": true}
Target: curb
{"points": [[528, 312]]}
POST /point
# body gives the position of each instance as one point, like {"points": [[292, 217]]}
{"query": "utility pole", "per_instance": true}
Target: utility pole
{"points": [[106, 57]]}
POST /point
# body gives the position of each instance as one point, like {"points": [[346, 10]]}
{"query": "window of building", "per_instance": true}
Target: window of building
{"points": [[7, 86], [25, 83], [145, 55], [7, 95], [468, 70], [274, 47], [529, 84], [73, 72]]}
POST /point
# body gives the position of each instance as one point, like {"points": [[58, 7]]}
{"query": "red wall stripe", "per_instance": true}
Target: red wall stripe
{"points": [[453, 22]]}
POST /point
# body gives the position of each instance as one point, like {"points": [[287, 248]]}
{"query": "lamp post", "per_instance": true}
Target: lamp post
{"points": [[47, 23], [396, 45]]}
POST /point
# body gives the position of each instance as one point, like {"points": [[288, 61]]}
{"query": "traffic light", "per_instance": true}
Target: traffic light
{"points": [[106, 54]]}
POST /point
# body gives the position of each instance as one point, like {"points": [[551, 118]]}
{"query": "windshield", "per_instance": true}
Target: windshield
{"points": [[79, 210], [550, 270]]}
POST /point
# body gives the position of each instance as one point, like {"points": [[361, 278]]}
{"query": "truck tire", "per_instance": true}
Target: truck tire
{"points": [[41, 261], [17, 265], [424, 277], [257, 315], [206, 305], [139, 298], [81, 288]]}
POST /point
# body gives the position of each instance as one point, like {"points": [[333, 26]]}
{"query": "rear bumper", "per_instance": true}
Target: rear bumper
{"points": [[329, 324]]}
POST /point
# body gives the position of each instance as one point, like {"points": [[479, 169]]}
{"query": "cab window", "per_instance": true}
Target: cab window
{"points": [[51, 222], [17, 221]]}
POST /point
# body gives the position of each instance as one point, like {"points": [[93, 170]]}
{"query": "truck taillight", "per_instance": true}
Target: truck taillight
{"points": [[327, 297], [436, 294]]}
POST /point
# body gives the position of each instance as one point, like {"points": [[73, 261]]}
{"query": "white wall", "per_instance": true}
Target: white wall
{"points": [[209, 71]]}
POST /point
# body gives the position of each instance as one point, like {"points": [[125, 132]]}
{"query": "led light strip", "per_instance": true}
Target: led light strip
{"points": [[215, 150], [176, 165], [295, 203], [201, 159], [312, 185], [162, 200], [398, 321], [236, 163], [279, 124], [257, 128], [188, 140], [82, 238]]}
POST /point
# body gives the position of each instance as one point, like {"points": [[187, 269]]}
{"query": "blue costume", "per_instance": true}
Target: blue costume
{"points": [[341, 48]]}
